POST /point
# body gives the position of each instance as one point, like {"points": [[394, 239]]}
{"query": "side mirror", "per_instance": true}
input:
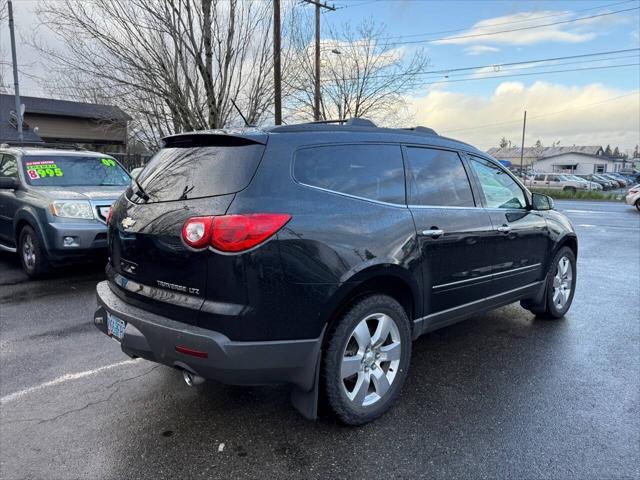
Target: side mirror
{"points": [[541, 202], [8, 183]]}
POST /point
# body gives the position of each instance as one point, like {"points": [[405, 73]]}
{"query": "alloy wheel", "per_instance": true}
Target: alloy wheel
{"points": [[28, 251], [562, 283], [371, 359]]}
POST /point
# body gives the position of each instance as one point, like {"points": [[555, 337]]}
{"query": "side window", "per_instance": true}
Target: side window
{"points": [[374, 172], [437, 177], [500, 190], [539, 178], [8, 166]]}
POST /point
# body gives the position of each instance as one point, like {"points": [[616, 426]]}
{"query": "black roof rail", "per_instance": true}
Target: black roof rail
{"points": [[353, 121], [421, 129]]}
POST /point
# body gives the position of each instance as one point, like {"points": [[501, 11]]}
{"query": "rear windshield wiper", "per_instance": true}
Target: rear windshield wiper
{"points": [[141, 193]]}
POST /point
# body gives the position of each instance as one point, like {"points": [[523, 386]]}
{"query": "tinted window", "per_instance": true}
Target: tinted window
{"points": [[73, 170], [539, 178], [368, 171], [8, 166], [195, 172], [500, 190], [437, 177]]}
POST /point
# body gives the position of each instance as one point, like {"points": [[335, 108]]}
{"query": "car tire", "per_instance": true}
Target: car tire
{"points": [[366, 360], [32, 256], [560, 285], [638, 204], [570, 189]]}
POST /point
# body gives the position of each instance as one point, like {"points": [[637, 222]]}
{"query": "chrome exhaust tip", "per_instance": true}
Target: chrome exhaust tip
{"points": [[190, 379]]}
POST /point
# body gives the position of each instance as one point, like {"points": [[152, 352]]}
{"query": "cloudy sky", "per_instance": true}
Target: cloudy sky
{"points": [[469, 93]]}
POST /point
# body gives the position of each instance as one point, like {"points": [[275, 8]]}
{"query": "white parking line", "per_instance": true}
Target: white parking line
{"points": [[64, 378]]}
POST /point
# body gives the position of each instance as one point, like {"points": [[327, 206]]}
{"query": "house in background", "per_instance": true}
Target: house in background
{"points": [[89, 125], [575, 159]]}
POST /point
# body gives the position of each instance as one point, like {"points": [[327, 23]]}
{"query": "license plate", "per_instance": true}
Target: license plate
{"points": [[115, 326]]}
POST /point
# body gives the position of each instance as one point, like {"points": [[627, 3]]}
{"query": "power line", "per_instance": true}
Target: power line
{"points": [[524, 67], [506, 64], [564, 14], [532, 73], [488, 125], [475, 35]]}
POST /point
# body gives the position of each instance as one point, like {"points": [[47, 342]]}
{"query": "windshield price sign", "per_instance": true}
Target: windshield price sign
{"points": [[43, 169]]}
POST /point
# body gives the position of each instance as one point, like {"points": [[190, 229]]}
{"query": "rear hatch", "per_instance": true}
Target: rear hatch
{"points": [[194, 175]]}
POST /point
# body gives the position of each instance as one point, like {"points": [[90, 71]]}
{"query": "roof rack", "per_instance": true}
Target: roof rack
{"points": [[421, 129], [356, 123], [353, 121]]}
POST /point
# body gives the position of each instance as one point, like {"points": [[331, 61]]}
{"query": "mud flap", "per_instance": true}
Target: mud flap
{"points": [[307, 402]]}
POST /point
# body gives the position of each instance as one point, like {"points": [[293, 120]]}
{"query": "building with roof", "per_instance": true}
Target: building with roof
{"points": [[90, 125], [575, 159]]}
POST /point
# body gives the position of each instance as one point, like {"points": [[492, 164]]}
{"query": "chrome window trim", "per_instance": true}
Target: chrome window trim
{"points": [[348, 195]]}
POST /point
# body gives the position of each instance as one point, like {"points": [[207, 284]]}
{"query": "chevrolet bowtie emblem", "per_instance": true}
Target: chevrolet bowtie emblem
{"points": [[128, 223]]}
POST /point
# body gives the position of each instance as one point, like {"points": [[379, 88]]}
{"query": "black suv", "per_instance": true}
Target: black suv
{"points": [[314, 254]]}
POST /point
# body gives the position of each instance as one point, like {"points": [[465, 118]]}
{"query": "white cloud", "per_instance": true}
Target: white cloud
{"points": [[467, 116], [574, 32], [480, 49]]}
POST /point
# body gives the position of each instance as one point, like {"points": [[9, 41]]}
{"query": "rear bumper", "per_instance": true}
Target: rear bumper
{"points": [[155, 338]]}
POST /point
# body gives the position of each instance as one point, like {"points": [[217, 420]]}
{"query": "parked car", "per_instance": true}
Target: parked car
{"points": [[590, 185], [54, 204], [557, 181], [633, 196], [605, 183], [299, 255], [618, 181]]}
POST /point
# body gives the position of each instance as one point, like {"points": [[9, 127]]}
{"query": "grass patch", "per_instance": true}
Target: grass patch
{"points": [[579, 195]]}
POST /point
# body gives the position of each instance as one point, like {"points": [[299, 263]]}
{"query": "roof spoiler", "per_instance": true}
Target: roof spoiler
{"points": [[215, 138]]}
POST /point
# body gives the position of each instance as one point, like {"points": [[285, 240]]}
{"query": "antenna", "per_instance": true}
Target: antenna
{"points": [[246, 124]]}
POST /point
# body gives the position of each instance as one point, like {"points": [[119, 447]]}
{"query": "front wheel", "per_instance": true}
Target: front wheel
{"points": [[560, 286], [367, 359], [32, 256], [638, 204]]}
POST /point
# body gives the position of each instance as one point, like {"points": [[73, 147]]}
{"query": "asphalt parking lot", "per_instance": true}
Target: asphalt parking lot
{"points": [[502, 395]]}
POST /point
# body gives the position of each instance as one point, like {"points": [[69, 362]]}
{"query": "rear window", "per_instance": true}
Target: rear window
{"points": [[373, 172], [196, 172], [73, 170]]}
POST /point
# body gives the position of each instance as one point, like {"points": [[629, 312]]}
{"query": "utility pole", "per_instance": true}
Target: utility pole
{"points": [[524, 126], [316, 96], [277, 74], [16, 85]]}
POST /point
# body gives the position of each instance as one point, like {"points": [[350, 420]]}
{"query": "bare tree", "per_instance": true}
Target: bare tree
{"points": [[174, 65], [362, 73]]}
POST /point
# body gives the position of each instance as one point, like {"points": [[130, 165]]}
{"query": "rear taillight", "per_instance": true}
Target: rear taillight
{"points": [[109, 215], [196, 231], [232, 233]]}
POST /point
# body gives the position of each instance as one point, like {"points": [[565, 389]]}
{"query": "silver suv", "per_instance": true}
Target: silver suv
{"points": [[557, 181]]}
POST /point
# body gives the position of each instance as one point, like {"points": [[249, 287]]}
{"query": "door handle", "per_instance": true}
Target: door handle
{"points": [[504, 229], [433, 233]]}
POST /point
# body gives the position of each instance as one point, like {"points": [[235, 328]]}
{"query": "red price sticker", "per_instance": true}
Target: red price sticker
{"points": [[33, 174]]}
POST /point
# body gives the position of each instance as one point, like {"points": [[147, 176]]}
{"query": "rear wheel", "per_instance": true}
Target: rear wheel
{"points": [[32, 256], [570, 189], [367, 359], [560, 286], [638, 204]]}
